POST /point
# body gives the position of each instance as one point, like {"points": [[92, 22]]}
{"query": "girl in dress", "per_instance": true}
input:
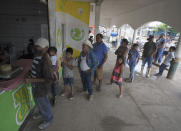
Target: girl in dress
{"points": [[117, 74]]}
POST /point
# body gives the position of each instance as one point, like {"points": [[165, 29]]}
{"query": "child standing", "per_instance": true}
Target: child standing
{"points": [[168, 59], [68, 64], [52, 51], [117, 74], [133, 59]]}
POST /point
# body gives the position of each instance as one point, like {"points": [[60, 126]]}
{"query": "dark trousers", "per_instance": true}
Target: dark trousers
{"points": [[86, 81], [44, 107], [162, 68], [54, 89]]}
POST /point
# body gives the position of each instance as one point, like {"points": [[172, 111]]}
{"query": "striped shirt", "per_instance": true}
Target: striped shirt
{"points": [[36, 61]]}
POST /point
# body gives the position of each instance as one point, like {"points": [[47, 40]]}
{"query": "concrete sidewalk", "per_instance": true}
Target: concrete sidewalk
{"points": [[147, 105]]}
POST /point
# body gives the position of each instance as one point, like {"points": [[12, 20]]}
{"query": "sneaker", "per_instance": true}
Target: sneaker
{"points": [[158, 74], [119, 96], [37, 116], [53, 101], [90, 97], [71, 97], [63, 94], [44, 125]]}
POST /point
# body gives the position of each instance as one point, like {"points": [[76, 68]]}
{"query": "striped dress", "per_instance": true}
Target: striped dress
{"points": [[116, 74]]}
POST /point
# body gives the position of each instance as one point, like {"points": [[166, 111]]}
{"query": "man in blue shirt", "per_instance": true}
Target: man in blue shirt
{"points": [[160, 48], [101, 51], [133, 58]]}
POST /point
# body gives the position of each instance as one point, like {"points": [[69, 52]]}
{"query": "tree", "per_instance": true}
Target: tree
{"points": [[166, 29]]}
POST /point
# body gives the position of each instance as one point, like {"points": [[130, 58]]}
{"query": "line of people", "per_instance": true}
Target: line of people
{"points": [[44, 72]]}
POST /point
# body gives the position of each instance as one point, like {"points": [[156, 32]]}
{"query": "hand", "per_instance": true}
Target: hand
{"points": [[64, 61], [89, 71], [100, 66], [120, 78]]}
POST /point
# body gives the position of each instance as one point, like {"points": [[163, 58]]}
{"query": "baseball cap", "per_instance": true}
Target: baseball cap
{"points": [[42, 42]]}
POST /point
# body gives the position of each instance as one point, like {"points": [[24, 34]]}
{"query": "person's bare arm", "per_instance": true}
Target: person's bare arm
{"points": [[125, 53], [66, 64], [116, 52], [69, 66]]}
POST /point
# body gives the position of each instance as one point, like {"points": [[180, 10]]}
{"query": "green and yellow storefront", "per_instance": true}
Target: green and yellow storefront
{"points": [[16, 98]]}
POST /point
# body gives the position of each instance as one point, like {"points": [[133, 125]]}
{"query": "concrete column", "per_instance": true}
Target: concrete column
{"points": [[134, 36], [92, 14], [52, 22], [97, 19], [174, 65]]}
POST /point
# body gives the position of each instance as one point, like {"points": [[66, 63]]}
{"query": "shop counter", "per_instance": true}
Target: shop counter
{"points": [[16, 99]]}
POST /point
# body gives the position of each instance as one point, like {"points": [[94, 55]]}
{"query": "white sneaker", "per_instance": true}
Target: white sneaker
{"points": [[37, 116], [63, 94], [90, 97], [44, 125], [119, 96]]}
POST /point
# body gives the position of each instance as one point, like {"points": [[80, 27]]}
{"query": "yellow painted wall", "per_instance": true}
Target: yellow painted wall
{"points": [[74, 8]]}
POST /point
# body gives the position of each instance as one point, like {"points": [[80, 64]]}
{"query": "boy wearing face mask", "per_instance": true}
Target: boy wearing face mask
{"points": [[52, 51]]}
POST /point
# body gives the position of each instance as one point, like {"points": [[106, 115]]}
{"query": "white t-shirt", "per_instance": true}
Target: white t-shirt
{"points": [[169, 57], [83, 64], [168, 45], [53, 60]]}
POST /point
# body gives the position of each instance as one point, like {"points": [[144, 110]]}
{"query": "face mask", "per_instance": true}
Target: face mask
{"points": [[37, 52]]}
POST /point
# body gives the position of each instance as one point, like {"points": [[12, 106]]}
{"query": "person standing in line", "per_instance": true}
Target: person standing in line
{"points": [[170, 57], [87, 64], [133, 59], [148, 50], [168, 44], [68, 64], [42, 76], [117, 75], [52, 51], [101, 52], [160, 49], [122, 51]]}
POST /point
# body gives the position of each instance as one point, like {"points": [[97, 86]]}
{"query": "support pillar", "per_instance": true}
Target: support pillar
{"points": [[174, 65], [52, 21], [134, 36], [97, 19]]}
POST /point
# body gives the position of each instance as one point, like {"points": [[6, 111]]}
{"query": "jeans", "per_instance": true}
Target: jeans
{"points": [[86, 81], [132, 70], [44, 107], [162, 68], [149, 60], [158, 56]]}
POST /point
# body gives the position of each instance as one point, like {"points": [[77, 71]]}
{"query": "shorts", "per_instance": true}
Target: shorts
{"points": [[99, 73], [148, 60], [68, 81]]}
